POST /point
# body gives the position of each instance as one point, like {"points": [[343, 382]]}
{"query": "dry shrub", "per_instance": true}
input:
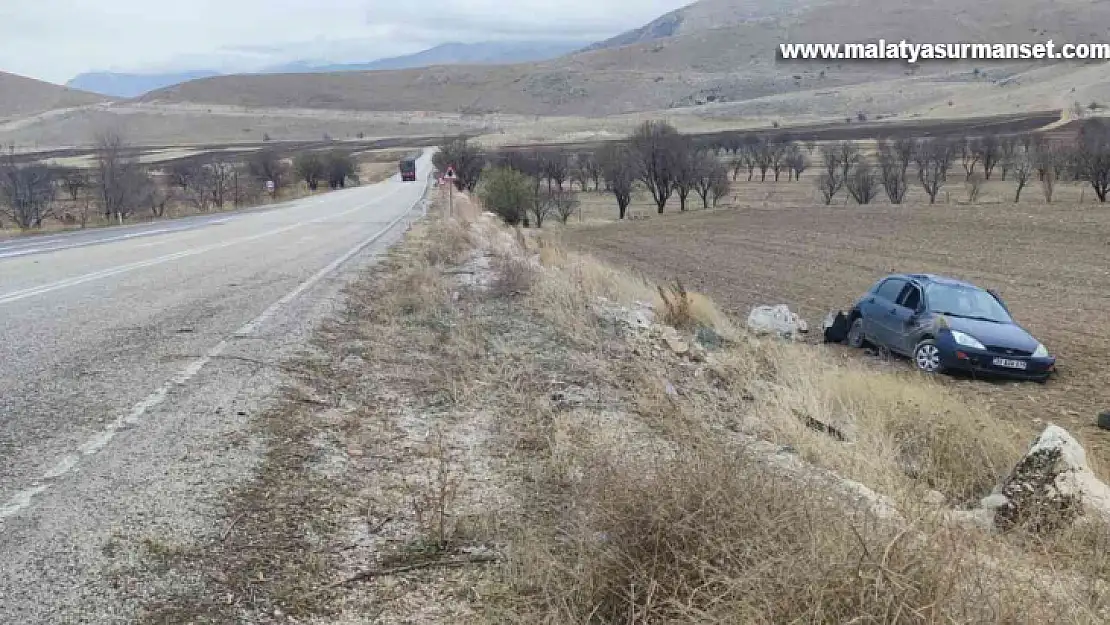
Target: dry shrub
{"points": [[710, 537], [514, 276], [676, 306], [909, 432], [446, 243]]}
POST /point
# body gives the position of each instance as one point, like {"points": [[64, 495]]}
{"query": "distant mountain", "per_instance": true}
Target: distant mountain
{"points": [[482, 53], [132, 85], [125, 85]]}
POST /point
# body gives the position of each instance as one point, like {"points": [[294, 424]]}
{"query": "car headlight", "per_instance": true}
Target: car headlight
{"points": [[1040, 352], [966, 340]]}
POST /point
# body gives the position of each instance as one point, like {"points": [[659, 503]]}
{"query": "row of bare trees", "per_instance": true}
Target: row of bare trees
{"points": [[668, 164], [1024, 158], [119, 186]]}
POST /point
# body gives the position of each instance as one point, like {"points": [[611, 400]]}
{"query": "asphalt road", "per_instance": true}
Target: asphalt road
{"points": [[131, 360]]}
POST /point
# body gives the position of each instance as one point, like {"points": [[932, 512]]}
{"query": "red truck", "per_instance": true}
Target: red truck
{"points": [[408, 169]]}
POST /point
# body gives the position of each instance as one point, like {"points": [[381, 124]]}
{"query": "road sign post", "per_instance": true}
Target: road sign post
{"points": [[449, 176]]}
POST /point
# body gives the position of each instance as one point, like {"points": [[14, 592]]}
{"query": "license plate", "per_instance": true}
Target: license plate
{"points": [[1010, 364]]}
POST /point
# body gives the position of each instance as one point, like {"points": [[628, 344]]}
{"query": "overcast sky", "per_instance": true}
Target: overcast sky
{"points": [[57, 39]]}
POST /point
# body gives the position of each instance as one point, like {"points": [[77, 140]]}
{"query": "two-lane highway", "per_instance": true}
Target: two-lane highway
{"points": [[124, 370]]}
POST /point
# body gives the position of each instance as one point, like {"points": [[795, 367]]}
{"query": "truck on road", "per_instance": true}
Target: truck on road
{"points": [[408, 169]]}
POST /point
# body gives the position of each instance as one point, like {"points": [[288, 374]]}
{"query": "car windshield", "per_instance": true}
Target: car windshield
{"points": [[966, 301]]}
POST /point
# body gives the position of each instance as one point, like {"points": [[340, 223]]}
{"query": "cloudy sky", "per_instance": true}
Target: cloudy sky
{"points": [[57, 39]]}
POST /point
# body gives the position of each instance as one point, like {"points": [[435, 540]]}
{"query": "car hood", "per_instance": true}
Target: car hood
{"points": [[1007, 335]]}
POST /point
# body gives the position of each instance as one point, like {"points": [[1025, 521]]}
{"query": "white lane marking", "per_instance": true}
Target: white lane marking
{"points": [[124, 237], [15, 296], [250, 328], [24, 252], [23, 499]]}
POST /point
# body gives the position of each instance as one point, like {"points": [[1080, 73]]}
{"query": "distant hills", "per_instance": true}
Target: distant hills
{"points": [[132, 85], [20, 96], [121, 85]]}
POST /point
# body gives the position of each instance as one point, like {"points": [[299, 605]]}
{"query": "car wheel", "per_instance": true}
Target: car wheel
{"points": [[855, 333], [926, 357]]}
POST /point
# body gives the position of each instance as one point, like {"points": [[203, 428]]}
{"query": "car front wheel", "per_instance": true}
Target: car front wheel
{"points": [[855, 333], [926, 356]]}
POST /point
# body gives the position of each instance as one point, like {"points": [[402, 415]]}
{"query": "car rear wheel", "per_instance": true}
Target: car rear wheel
{"points": [[855, 333], [926, 357]]}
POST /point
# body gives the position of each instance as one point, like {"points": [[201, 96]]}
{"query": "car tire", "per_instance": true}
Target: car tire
{"points": [[926, 357], [855, 333]]}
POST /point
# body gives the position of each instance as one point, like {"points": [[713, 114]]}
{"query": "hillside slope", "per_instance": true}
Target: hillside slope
{"points": [[700, 64], [21, 96]]}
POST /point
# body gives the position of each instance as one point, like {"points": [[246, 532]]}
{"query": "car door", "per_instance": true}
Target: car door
{"points": [[904, 314], [878, 315]]}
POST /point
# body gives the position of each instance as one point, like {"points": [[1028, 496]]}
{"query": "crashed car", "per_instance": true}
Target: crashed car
{"points": [[943, 325]]}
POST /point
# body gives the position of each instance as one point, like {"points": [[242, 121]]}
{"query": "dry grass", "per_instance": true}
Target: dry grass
{"points": [[621, 483]]}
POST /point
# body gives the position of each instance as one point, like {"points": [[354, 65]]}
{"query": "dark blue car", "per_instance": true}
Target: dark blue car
{"points": [[944, 324]]}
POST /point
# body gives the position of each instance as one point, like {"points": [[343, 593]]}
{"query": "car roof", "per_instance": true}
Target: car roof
{"points": [[929, 278]]}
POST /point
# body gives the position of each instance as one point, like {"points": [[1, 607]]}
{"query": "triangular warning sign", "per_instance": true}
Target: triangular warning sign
{"points": [[450, 175]]}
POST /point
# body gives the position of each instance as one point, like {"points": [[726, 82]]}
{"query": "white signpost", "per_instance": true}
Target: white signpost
{"points": [[270, 187]]}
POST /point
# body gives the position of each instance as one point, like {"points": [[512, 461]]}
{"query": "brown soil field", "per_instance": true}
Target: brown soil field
{"points": [[772, 245]]}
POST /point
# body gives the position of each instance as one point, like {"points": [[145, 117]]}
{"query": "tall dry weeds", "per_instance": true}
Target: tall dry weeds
{"points": [[644, 509]]}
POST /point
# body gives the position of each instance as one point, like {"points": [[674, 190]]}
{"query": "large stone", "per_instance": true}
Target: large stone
{"points": [[778, 320], [1051, 486]]}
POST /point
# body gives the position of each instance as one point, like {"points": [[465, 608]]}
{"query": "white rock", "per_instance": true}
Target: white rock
{"points": [[1052, 484], [935, 498], [778, 320]]}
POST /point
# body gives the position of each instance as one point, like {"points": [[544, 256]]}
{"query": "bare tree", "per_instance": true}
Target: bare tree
{"points": [[1092, 158], [562, 203], [831, 178], [737, 163], [311, 169], [849, 156], [796, 161], [618, 165], [933, 158], [990, 151], [578, 172], [974, 185], [892, 172], [592, 168], [339, 168], [538, 207], [969, 156], [763, 156], [1024, 166], [268, 166], [75, 181], [780, 150], [1007, 151], [862, 183], [688, 162], [467, 160], [709, 173], [557, 167], [721, 187], [659, 149], [26, 192], [118, 177], [1048, 184], [220, 173]]}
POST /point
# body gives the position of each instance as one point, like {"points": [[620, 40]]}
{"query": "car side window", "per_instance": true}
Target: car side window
{"points": [[891, 289], [911, 297]]}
